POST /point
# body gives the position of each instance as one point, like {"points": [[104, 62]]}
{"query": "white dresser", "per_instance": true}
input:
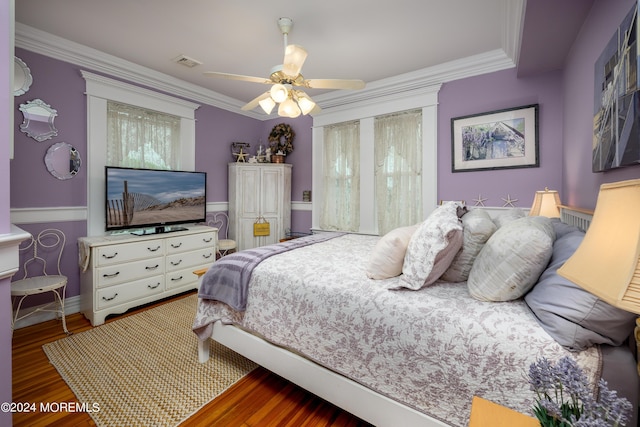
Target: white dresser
{"points": [[255, 191], [125, 271]]}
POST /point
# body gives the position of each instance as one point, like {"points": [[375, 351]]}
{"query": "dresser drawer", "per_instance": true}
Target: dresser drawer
{"points": [[125, 292], [184, 277], [190, 242], [189, 259], [113, 254], [119, 273]]}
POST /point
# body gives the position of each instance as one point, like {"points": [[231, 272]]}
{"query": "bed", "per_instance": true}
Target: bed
{"points": [[325, 313]]}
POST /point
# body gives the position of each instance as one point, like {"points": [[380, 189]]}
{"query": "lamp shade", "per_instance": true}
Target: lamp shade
{"points": [[305, 103], [267, 104], [607, 261], [279, 92], [289, 108], [546, 203]]}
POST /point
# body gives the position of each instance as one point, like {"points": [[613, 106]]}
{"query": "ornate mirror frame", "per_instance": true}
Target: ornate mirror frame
{"points": [[63, 160], [38, 120], [22, 78]]}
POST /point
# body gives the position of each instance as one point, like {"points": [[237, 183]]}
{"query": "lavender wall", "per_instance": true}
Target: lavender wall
{"points": [[496, 91], [565, 100], [6, 95], [300, 158], [580, 184], [60, 85], [216, 129]]}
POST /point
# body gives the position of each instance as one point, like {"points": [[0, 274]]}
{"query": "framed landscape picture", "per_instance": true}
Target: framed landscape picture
{"points": [[501, 139]]}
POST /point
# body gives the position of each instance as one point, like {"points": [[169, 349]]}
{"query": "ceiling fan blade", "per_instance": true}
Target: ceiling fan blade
{"points": [[255, 102], [334, 84], [237, 77], [294, 57]]}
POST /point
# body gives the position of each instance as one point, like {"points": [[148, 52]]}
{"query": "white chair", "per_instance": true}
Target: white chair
{"points": [[47, 246], [221, 222]]}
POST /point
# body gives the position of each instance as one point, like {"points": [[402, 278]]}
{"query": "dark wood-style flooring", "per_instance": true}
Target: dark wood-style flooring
{"points": [[259, 399]]}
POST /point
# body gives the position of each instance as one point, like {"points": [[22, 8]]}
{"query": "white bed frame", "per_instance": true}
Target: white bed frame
{"points": [[343, 392]]}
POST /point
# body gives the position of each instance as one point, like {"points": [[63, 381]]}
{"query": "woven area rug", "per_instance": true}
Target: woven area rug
{"points": [[143, 370]]}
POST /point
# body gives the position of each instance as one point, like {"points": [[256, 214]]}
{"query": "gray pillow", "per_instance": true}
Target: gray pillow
{"points": [[575, 318]]}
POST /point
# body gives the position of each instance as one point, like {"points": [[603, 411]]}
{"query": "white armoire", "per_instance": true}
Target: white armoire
{"points": [[256, 191]]}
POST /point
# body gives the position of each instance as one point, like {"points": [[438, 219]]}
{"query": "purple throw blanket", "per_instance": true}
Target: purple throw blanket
{"points": [[227, 280]]}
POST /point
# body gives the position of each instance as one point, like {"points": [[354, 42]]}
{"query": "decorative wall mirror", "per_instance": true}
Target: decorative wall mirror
{"points": [[63, 160], [21, 77], [38, 120]]}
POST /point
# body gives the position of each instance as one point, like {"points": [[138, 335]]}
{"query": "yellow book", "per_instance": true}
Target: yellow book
{"points": [[488, 414]]}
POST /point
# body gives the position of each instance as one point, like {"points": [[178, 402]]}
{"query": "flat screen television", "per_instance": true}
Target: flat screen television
{"points": [[150, 201]]}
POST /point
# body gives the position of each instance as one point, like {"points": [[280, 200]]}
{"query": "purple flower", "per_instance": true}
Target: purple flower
{"points": [[564, 398]]}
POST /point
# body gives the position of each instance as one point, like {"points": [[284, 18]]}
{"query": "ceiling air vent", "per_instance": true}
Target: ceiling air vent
{"points": [[186, 61]]}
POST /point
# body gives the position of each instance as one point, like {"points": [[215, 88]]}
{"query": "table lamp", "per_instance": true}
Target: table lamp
{"points": [[607, 261], [546, 203]]}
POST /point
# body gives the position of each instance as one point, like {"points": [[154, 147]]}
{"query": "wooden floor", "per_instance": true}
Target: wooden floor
{"points": [[259, 399]]}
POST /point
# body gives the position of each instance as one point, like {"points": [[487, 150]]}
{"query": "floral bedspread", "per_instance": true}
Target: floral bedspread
{"points": [[432, 349]]}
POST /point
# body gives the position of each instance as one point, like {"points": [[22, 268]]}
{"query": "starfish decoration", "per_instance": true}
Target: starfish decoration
{"points": [[480, 200], [509, 201], [241, 155]]}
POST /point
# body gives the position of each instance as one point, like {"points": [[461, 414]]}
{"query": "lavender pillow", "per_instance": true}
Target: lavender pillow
{"points": [[575, 318]]}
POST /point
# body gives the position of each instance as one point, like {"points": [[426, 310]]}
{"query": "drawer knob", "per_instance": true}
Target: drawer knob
{"points": [[176, 246], [110, 299], [152, 267], [153, 287], [207, 256], [153, 249], [175, 279], [110, 256], [207, 240], [109, 276], [176, 262]]}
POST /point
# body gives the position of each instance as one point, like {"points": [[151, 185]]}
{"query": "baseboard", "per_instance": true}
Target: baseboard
{"points": [[71, 306]]}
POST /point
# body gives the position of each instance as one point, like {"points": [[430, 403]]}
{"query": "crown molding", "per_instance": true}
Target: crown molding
{"points": [[416, 83], [514, 11], [47, 44], [408, 84]]}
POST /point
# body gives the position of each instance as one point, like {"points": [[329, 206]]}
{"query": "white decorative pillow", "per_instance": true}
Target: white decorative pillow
{"points": [[432, 247], [512, 260], [507, 216], [478, 227], [387, 257]]}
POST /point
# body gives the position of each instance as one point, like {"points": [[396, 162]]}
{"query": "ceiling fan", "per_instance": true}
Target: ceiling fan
{"points": [[286, 79]]}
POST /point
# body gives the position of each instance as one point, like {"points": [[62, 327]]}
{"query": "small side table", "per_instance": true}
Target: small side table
{"points": [[485, 413]]}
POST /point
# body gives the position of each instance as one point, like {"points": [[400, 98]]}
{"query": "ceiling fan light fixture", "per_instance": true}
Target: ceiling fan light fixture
{"points": [[305, 103], [279, 92], [289, 108], [267, 104]]}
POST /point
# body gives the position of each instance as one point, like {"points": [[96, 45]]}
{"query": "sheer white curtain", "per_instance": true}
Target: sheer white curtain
{"points": [[137, 137], [398, 169], [341, 204]]}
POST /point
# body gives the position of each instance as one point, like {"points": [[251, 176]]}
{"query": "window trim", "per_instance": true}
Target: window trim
{"points": [[99, 89], [425, 99]]}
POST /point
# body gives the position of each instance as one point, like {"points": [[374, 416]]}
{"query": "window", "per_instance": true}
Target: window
{"points": [[398, 169], [137, 137], [341, 204], [396, 164], [102, 91]]}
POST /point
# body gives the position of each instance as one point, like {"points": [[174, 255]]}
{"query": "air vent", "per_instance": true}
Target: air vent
{"points": [[186, 61]]}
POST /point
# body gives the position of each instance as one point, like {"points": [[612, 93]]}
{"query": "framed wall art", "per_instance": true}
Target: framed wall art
{"points": [[616, 118], [501, 139]]}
